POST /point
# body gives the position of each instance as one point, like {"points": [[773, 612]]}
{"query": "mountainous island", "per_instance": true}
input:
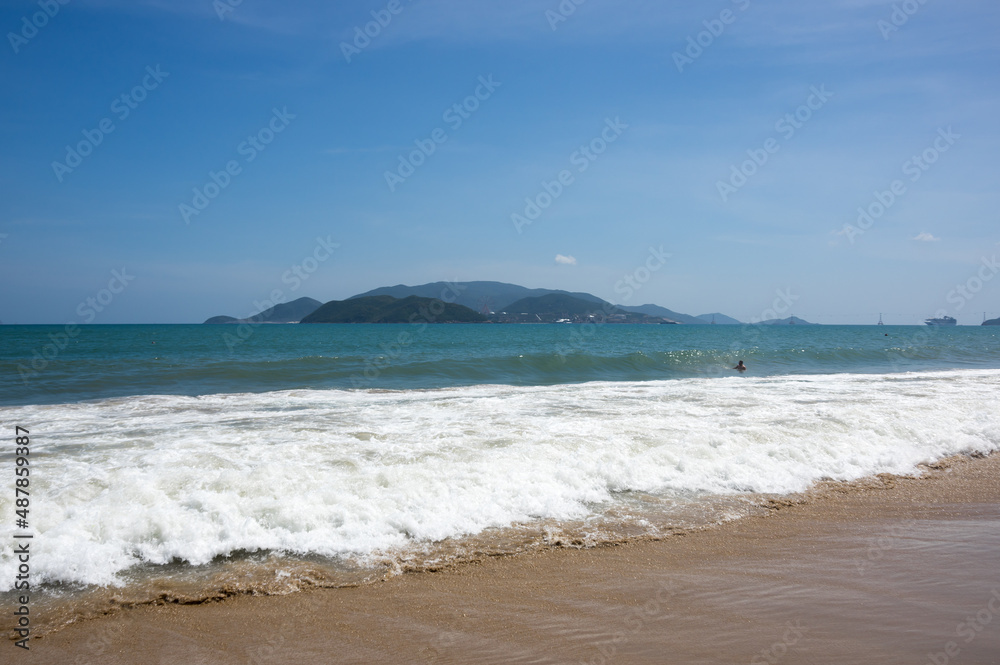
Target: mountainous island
{"points": [[992, 322], [474, 302], [790, 321]]}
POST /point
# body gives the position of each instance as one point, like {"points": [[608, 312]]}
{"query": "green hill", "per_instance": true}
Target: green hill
{"points": [[559, 304], [288, 312], [663, 312], [387, 309]]}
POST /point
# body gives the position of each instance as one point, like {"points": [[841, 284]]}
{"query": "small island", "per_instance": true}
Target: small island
{"points": [[992, 322]]}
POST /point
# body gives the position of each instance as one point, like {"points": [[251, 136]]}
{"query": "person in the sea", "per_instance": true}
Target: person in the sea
{"points": [[740, 367]]}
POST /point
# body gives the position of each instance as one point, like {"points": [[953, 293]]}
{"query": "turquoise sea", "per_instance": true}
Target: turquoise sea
{"points": [[43, 364]]}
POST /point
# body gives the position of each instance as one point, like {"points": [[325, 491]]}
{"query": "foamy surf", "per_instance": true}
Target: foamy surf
{"points": [[153, 482]]}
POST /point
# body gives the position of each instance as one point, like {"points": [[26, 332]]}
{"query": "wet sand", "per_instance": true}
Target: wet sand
{"points": [[887, 570]]}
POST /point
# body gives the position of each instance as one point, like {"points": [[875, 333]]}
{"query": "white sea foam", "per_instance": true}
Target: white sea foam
{"points": [[342, 473]]}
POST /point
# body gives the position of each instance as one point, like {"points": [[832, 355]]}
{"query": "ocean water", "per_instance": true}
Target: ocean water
{"points": [[188, 462]]}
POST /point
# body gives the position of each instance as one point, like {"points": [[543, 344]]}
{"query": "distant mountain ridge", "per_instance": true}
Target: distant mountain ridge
{"points": [[663, 312], [720, 319], [494, 296], [488, 298], [288, 312]]}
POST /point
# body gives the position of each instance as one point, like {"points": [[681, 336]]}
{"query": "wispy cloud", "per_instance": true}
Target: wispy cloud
{"points": [[566, 260], [363, 150], [926, 237]]}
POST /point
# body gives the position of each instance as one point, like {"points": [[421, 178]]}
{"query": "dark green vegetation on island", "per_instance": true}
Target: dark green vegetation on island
{"points": [[564, 308], [664, 313], [289, 312], [556, 304], [992, 322], [387, 309], [481, 296]]}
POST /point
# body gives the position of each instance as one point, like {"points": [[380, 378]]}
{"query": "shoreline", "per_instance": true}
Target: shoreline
{"points": [[885, 569]]}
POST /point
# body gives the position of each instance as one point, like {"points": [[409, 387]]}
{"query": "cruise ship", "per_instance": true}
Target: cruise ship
{"points": [[946, 321]]}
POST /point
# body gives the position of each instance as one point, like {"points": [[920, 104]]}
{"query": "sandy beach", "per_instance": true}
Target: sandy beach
{"points": [[886, 570]]}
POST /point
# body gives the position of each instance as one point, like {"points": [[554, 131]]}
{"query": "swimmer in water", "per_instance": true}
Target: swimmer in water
{"points": [[740, 367]]}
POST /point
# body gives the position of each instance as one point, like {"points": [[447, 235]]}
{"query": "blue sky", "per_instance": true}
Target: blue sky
{"points": [[327, 131]]}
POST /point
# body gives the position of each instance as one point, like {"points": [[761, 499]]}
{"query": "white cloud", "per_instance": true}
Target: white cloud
{"points": [[566, 260], [926, 237]]}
